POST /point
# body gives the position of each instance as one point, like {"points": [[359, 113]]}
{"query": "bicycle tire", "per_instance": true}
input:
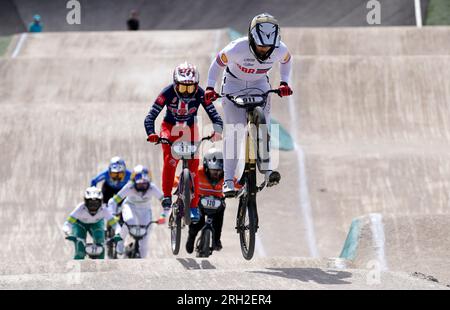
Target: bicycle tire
{"points": [[206, 245], [187, 196], [175, 233], [247, 232]]}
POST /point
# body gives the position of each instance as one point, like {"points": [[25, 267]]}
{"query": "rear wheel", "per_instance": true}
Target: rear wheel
{"points": [[187, 196], [175, 232]]}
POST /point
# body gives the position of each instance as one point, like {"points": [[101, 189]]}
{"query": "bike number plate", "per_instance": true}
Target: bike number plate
{"points": [[184, 148], [210, 203]]}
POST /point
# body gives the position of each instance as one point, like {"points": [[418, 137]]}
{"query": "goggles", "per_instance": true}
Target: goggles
{"points": [[186, 88], [117, 176]]}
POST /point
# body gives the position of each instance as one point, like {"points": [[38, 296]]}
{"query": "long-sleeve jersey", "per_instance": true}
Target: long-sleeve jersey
{"points": [[81, 214], [181, 110], [104, 176], [139, 199], [243, 65]]}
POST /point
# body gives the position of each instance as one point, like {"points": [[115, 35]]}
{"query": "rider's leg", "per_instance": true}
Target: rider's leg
{"points": [[127, 216], [234, 131], [143, 216], [217, 225], [193, 231], [79, 231], [170, 163], [97, 232]]}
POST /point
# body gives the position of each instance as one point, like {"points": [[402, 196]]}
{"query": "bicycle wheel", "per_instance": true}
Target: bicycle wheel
{"points": [[205, 245], [187, 196], [175, 232], [246, 226]]}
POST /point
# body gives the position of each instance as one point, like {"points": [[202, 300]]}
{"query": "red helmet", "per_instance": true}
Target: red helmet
{"points": [[186, 79]]}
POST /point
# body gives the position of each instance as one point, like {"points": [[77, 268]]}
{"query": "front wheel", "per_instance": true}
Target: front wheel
{"points": [[205, 243], [175, 232], [187, 196], [246, 226]]}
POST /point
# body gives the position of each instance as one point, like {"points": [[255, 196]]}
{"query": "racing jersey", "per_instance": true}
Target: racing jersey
{"points": [[129, 194], [181, 110], [243, 65], [104, 176], [82, 215]]}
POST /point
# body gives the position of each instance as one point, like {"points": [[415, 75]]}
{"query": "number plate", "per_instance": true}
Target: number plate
{"points": [[184, 148], [210, 202]]}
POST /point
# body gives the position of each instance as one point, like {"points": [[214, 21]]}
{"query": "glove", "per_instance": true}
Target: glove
{"points": [[153, 138], [216, 136], [284, 90], [162, 218], [210, 95], [67, 230]]}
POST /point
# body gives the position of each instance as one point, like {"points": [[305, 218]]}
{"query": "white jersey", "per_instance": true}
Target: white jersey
{"points": [[81, 213], [243, 65], [134, 197]]}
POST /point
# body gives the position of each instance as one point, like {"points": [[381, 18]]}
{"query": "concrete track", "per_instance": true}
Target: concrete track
{"points": [[101, 15], [371, 131]]}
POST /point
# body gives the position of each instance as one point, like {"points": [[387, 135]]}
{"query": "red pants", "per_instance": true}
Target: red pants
{"points": [[173, 133]]}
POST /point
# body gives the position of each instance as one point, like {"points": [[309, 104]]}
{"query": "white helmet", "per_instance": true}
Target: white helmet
{"points": [[264, 31], [141, 178], [93, 197], [186, 79]]}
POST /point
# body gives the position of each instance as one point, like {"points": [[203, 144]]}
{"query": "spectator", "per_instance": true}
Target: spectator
{"points": [[133, 21], [36, 25]]}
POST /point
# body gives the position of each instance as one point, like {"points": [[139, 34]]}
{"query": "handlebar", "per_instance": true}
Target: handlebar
{"points": [[162, 140], [276, 91]]}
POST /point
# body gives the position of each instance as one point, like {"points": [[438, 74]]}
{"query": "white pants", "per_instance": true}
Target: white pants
{"points": [[236, 121], [135, 215]]}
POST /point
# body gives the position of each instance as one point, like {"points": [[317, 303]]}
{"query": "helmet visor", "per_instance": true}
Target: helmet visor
{"points": [[142, 185], [93, 205], [117, 176], [266, 34], [215, 174]]}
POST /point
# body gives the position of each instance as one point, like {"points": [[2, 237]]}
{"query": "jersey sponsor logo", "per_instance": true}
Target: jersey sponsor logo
{"points": [[160, 100], [286, 58], [253, 71], [222, 60], [250, 59], [182, 109]]}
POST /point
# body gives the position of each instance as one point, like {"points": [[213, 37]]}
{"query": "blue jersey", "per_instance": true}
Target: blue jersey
{"points": [[181, 110], [104, 176]]}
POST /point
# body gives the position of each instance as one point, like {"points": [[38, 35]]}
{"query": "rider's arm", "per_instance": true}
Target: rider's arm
{"points": [[157, 107], [118, 198], [213, 116], [156, 191], [112, 221], [100, 177], [285, 66], [71, 219], [219, 63]]}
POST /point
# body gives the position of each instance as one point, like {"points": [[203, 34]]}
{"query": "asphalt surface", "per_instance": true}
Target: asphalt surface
{"points": [[371, 133]]}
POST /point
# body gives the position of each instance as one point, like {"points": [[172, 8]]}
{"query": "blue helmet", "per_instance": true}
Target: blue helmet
{"points": [[117, 169], [141, 178], [37, 18]]}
